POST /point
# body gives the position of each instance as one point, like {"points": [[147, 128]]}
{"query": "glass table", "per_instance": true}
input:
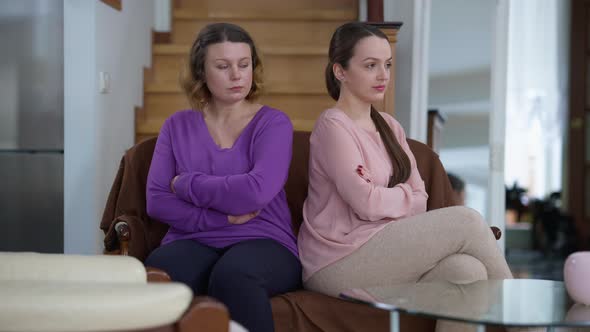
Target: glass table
{"points": [[511, 303]]}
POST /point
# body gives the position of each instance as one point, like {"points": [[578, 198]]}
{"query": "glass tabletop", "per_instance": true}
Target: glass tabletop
{"points": [[512, 302]]}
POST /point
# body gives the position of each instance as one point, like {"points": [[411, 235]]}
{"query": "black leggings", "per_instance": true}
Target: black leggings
{"points": [[243, 276]]}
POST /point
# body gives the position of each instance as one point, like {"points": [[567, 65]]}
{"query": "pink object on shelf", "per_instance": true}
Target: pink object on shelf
{"points": [[576, 273]]}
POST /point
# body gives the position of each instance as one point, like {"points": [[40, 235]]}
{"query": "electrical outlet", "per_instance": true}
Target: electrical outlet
{"points": [[104, 82]]}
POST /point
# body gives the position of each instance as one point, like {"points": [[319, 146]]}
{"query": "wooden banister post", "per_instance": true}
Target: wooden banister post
{"points": [[375, 10], [436, 121]]}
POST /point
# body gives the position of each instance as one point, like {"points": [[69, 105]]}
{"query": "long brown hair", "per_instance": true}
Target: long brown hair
{"points": [[341, 50], [193, 77]]}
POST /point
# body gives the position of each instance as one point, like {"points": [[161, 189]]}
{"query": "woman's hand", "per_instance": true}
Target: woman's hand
{"points": [[363, 173], [172, 184], [238, 220]]}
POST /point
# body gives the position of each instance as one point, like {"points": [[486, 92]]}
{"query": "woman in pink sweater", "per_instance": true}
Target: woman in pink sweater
{"points": [[365, 220]]}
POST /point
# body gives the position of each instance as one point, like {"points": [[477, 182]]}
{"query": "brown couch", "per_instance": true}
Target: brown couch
{"points": [[137, 234]]}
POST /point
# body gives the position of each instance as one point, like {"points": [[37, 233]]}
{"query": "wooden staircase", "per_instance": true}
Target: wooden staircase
{"points": [[292, 37]]}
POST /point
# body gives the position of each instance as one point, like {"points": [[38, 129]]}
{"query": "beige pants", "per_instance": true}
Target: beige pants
{"points": [[453, 244]]}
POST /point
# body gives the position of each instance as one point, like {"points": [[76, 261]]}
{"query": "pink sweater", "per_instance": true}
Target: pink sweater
{"points": [[342, 211]]}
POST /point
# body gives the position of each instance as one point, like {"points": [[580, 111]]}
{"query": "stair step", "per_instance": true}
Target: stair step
{"points": [[151, 127], [140, 138], [155, 88], [164, 105], [284, 5], [275, 33], [292, 37], [345, 14], [158, 107], [184, 49], [297, 106], [283, 72], [302, 125]]}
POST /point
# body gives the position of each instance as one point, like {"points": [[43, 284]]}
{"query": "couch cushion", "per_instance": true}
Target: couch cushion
{"points": [[84, 306], [309, 311], [298, 180], [432, 172], [21, 266]]}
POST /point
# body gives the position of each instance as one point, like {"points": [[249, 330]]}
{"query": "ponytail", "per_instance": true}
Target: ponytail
{"points": [[399, 159], [332, 84]]}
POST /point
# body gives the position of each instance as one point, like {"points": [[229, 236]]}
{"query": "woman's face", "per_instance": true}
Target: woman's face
{"points": [[368, 70], [228, 71]]}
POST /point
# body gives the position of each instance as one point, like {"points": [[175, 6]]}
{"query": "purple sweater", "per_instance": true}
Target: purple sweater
{"points": [[214, 182]]}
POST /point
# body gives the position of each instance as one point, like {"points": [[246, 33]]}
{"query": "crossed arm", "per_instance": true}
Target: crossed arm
{"points": [[202, 202], [243, 193], [339, 160], [163, 204]]}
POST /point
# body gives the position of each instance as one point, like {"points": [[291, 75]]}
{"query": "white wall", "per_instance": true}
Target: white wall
{"points": [[460, 85], [537, 94], [460, 36], [162, 15], [10, 107], [496, 201], [523, 91], [411, 67], [476, 180], [99, 127], [462, 92]]}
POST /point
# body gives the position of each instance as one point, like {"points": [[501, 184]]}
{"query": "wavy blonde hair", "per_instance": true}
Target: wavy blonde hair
{"points": [[192, 78]]}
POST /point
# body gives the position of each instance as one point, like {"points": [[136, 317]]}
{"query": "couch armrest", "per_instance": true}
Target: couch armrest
{"points": [[124, 236], [91, 306], [204, 314], [157, 275], [28, 266], [497, 232]]}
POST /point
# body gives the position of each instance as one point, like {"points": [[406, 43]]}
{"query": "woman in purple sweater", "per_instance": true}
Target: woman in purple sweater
{"points": [[217, 178]]}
